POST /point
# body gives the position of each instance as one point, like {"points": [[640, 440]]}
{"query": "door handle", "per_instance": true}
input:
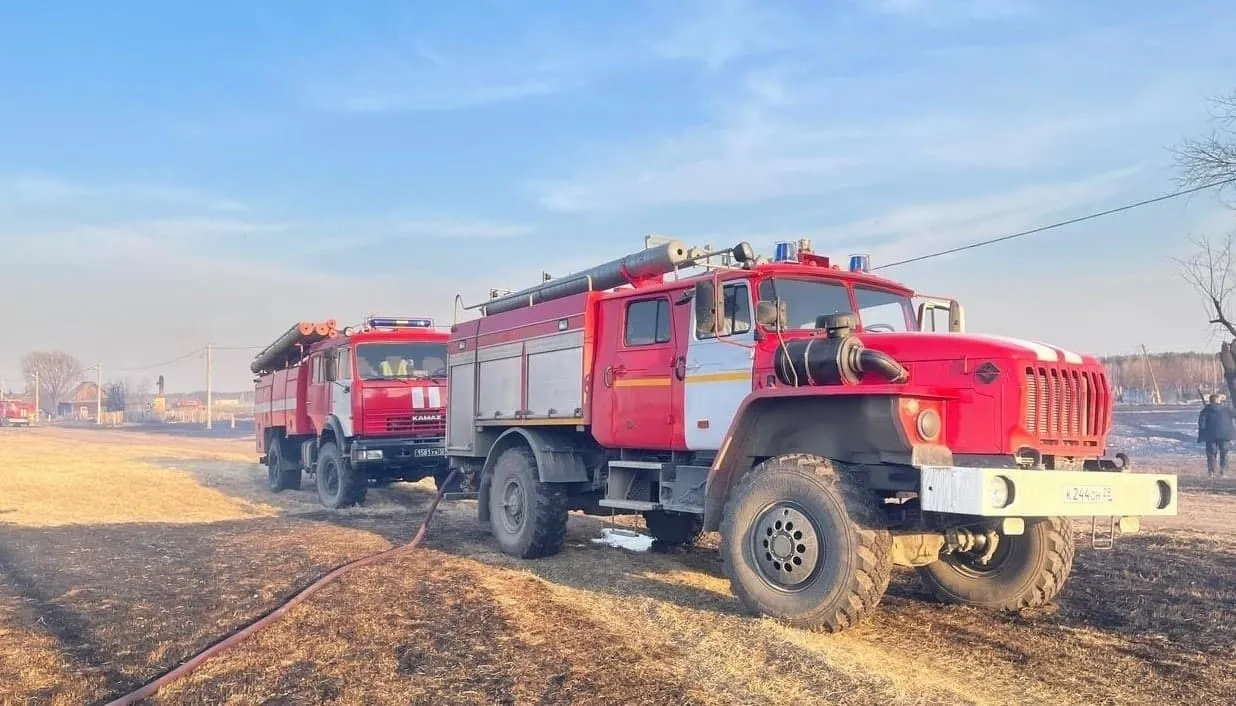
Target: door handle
{"points": [[680, 367], [607, 377]]}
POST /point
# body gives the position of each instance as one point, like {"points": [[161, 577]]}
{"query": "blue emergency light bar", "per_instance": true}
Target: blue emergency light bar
{"points": [[389, 322], [860, 263]]}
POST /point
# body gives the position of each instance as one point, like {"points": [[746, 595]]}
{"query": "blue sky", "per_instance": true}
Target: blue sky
{"points": [[172, 176]]}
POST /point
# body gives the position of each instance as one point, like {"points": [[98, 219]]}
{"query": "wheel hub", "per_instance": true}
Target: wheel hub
{"points": [[513, 505], [786, 546]]}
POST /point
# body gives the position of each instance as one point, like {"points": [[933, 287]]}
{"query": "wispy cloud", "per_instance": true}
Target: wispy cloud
{"points": [[717, 32], [950, 11], [915, 229], [463, 229], [798, 128], [37, 191], [137, 242], [424, 79]]}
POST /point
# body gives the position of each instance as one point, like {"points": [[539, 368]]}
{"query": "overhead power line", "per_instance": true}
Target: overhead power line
{"points": [[177, 359], [1060, 224]]}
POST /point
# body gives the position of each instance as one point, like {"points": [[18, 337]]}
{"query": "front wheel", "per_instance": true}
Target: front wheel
{"points": [[340, 484], [528, 517], [1023, 571], [802, 546]]}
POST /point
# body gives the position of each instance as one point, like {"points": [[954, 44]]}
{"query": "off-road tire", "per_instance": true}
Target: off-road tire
{"points": [[535, 524], [351, 486], [279, 476], [674, 528], [1029, 574], [853, 573]]}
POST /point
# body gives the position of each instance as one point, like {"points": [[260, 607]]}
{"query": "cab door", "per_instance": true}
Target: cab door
{"points": [[317, 397], [719, 364], [632, 383], [339, 375]]}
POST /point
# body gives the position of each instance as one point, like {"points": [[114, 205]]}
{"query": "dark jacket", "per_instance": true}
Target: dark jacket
{"points": [[1216, 423]]}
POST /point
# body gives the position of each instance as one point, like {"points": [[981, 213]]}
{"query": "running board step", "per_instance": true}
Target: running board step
{"points": [[629, 504], [638, 465]]}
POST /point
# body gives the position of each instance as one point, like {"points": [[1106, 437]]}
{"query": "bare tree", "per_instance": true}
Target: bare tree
{"points": [[1212, 158], [115, 395], [1209, 271], [58, 372]]}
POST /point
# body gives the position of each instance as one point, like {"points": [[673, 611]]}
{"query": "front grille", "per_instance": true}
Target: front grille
{"points": [[1066, 406], [420, 424]]}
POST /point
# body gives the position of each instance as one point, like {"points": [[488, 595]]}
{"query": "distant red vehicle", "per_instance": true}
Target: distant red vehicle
{"points": [[16, 413], [354, 407]]}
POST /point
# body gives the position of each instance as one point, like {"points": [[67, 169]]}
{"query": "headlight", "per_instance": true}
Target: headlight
{"points": [[1001, 492], [928, 423]]}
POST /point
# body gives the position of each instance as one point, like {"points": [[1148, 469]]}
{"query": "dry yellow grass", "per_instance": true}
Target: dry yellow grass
{"points": [[32, 669], [95, 610], [53, 477]]}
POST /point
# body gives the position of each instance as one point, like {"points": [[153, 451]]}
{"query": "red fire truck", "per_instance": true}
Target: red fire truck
{"points": [[827, 426], [16, 413], [352, 408]]}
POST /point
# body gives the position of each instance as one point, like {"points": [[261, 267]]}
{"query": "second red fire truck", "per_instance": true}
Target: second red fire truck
{"points": [[351, 408]]}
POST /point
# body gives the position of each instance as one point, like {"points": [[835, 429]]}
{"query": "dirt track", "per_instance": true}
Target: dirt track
{"points": [[188, 545]]}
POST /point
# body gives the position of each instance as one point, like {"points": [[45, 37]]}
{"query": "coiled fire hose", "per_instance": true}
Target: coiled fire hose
{"points": [[237, 637]]}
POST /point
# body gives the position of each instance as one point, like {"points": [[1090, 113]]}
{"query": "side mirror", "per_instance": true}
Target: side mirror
{"points": [[707, 304], [956, 317], [770, 314], [927, 316]]}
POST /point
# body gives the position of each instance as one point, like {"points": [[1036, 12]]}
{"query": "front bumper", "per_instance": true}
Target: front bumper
{"points": [[416, 451], [1007, 492]]}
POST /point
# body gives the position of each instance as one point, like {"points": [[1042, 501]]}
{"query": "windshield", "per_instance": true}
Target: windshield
{"points": [[884, 311], [375, 361], [805, 299]]}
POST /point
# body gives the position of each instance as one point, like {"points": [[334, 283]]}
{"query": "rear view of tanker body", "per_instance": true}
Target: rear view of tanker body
{"points": [[817, 418], [353, 408]]}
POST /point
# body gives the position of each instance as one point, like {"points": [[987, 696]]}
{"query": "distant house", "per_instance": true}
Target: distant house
{"points": [[81, 402]]}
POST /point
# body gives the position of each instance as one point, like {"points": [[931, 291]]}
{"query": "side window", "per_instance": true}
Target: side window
{"points": [[648, 322], [737, 317], [344, 368], [881, 310], [316, 363], [328, 365]]}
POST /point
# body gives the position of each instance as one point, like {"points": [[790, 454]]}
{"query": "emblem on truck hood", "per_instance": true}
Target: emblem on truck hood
{"points": [[987, 372]]}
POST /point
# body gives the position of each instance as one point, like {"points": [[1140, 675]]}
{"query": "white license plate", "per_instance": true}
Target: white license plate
{"points": [[433, 451], [1089, 494]]}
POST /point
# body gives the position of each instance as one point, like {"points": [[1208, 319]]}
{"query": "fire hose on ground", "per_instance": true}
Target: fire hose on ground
{"points": [[188, 667]]}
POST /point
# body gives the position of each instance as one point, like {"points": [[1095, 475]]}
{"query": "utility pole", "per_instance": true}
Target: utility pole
{"points": [[210, 399], [38, 412], [98, 395]]}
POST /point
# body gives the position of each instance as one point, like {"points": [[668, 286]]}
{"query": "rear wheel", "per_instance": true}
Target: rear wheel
{"points": [[527, 517], [339, 483], [803, 547], [279, 476], [674, 528], [1024, 571]]}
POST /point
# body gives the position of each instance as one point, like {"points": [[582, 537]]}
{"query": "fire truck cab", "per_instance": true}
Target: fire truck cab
{"points": [[817, 418], [365, 406]]}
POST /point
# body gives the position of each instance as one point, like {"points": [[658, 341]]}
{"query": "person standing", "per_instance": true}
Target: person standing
{"points": [[1216, 427]]}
